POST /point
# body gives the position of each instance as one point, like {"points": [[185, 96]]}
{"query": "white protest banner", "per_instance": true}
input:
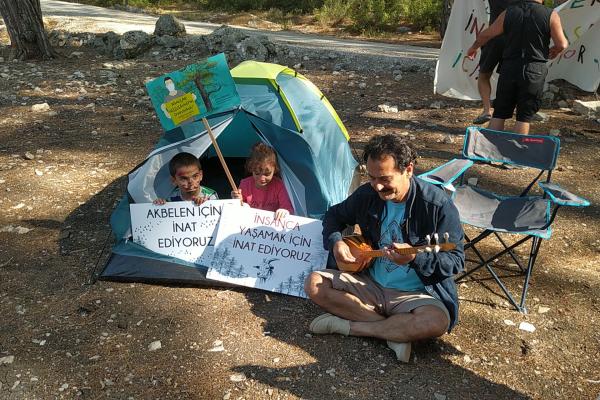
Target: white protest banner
{"points": [[254, 250], [179, 229], [456, 76], [579, 64]]}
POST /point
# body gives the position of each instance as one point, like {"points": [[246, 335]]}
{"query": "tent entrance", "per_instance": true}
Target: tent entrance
{"points": [[214, 175]]}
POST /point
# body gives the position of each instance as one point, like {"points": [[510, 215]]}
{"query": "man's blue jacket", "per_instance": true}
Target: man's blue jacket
{"points": [[428, 210]]}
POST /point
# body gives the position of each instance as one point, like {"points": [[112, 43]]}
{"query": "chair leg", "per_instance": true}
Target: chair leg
{"points": [[535, 247], [484, 262], [506, 291], [511, 253]]}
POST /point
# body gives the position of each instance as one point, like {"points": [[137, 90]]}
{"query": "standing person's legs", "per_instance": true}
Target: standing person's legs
{"points": [[505, 103], [491, 54], [531, 89], [522, 127], [496, 124], [485, 91]]}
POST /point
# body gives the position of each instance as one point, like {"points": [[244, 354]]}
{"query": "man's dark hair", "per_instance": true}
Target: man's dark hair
{"points": [[391, 145], [183, 160], [168, 78]]}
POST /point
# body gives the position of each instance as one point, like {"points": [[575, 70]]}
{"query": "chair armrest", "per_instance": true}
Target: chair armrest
{"points": [[447, 173], [561, 196]]}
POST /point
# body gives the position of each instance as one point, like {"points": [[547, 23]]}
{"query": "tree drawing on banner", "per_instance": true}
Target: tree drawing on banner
{"points": [[219, 259], [239, 273], [229, 267], [201, 75]]}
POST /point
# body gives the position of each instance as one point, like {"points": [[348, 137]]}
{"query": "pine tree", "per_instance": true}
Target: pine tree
{"points": [[25, 26]]}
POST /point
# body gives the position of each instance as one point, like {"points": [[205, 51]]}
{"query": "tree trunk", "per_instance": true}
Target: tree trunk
{"points": [[446, 8], [25, 26]]}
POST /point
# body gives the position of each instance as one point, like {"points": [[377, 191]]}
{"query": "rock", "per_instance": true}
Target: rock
{"points": [[41, 107], [553, 88], [297, 66], [76, 54], [562, 104], [472, 181], [448, 139], [540, 117], [217, 347], [362, 85], [38, 172], [509, 322], [7, 360], [132, 44], [237, 377], [63, 387], [547, 97], [527, 327], [387, 108], [156, 345], [436, 105], [439, 396], [107, 43], [169, 41], [543, 310], [28, 156], [398, 77], [554, 132], [20, 230], [168, 25], [586, 108]]}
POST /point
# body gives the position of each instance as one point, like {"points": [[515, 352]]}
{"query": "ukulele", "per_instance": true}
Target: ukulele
{"points": [[364, 253]]}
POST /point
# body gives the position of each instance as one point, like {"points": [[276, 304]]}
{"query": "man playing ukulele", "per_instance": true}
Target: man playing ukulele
{"points": [[399, 298]]}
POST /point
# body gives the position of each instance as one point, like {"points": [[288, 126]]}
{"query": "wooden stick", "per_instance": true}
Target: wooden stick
{"points": [[220, 155]]}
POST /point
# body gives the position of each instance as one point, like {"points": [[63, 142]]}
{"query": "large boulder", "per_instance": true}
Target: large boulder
{"points": [[107, 42], [240, 46], [133, 43], [169, 41], [587, 108], [168, 25]]}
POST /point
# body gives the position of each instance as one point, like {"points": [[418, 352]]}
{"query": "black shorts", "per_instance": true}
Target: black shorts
{"points": [[491, 55], [521, 88]]}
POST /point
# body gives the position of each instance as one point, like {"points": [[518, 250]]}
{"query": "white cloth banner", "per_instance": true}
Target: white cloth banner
{"points": [[253, 250], [579, 64], [456, 76], [179, 229]]}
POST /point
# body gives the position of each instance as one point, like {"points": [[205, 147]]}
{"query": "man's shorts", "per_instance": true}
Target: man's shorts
{"points": [[491, 55], [522, 89], [384, 301]]}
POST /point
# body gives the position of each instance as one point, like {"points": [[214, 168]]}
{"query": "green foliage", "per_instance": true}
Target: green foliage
{"points": [[422, 14], [333, 12], [363, 15], [299, 6], [370, 15]]}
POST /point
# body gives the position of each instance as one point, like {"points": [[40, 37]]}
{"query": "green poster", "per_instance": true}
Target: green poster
{"points": [[193, 92]]}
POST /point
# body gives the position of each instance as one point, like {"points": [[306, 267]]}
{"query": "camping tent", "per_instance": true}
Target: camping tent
{"points": [[279, 107]]}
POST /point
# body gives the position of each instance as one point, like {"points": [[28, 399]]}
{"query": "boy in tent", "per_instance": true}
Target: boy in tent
{"points": [[186, 174]]}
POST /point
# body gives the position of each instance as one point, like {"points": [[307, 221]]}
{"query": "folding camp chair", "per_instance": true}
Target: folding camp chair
{"points": [[525, 214]]}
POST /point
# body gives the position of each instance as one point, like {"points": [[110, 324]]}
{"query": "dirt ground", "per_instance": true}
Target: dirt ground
{"points": [[62, 171]]}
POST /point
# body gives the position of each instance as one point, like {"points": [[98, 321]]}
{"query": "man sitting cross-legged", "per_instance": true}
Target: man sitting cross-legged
{"points": [[400, 298]]}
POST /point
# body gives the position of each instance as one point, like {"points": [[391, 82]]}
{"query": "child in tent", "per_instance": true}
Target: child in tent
{"points": [[186, 174], [264, 190]]}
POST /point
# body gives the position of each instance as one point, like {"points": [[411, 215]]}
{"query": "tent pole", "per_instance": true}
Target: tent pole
{"points": [[220, 155]]}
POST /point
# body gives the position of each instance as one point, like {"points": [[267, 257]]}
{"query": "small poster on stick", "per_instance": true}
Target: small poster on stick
{"points": [[254, 250], [179, 229], [193, 92]]}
